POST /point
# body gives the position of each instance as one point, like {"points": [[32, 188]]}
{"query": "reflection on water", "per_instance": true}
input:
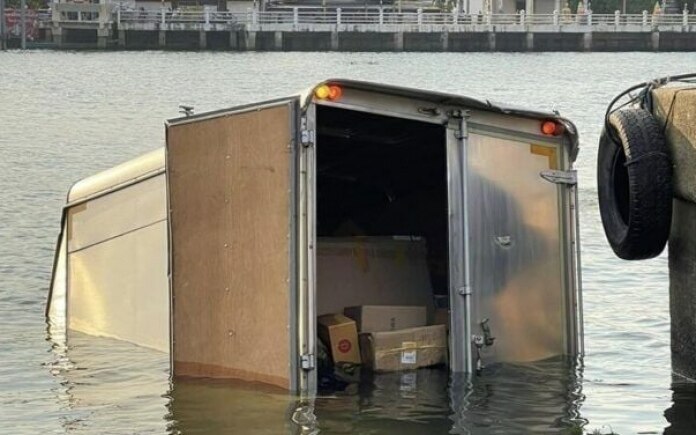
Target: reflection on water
{"points": [[99, 393], [682, 414]]}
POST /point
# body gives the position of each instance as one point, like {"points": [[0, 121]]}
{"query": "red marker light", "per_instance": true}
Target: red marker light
{"points": [[335, 92], [551, 128], [328, 92]]}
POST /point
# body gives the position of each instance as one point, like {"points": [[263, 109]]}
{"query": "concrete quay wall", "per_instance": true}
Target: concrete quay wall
{"points": [[675, 108], [220, 37]]}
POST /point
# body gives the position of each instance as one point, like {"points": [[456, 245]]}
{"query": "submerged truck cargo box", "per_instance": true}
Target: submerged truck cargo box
{"points": [[225, 247]]}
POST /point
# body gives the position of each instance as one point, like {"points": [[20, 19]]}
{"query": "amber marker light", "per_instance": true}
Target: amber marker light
{"points": [[328, 92], [322, 92], [551, 128], [335, 92]]}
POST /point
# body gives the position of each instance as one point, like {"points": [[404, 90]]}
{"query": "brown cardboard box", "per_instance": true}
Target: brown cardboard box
{"points": [[353, 271], [442, 317], [379, 318], [340, 334], [405, 349]]}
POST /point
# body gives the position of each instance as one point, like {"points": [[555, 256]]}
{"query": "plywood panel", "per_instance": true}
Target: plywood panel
{"points": [[229, 184]]}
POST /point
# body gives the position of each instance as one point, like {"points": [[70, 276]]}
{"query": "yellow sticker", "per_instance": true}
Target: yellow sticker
{"points": [[548, 151]]}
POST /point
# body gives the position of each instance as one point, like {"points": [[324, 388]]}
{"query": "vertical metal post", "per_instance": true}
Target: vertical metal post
{"points": [[23, 24], [617, 18], [464, 133], [459, 250], [3, 29]]}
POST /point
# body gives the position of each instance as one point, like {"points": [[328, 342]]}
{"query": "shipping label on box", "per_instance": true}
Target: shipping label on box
{"points": [[379, 318], [405, 349], [340, 334], [409, 352]]}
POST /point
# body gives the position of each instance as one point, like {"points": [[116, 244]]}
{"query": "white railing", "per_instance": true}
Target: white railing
{"points": [[194, 17], [307, 17]]}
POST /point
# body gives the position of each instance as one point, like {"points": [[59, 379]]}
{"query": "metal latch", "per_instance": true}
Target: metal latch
{"points": [[560, 177], [481, 341], [307, 361], [306, 137]]}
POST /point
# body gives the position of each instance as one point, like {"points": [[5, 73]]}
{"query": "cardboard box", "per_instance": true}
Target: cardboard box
{"points": [[442, 317], [405, 349], [379, 318], [356, 271], [340, 334]]}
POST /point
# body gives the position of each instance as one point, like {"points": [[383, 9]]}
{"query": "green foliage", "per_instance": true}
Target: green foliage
{"points": [[609, 6]]}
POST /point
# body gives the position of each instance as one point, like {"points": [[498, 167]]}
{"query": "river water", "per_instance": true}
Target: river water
{"points": [[66, 115]]}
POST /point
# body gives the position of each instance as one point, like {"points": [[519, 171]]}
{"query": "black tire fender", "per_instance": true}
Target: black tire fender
{"points": [[634, 181]]}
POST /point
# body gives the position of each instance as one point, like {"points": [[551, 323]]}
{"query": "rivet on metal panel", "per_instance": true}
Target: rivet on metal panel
{"points": [[227, 289], [231, 333], [225, 245], [227, 157]]}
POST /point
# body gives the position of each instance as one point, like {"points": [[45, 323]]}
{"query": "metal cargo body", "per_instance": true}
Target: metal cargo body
{"points": [[354, 193]]}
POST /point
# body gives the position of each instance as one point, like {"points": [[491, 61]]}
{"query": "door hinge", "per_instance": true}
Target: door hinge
{"points": [[560, 177], [307, 137], [307, 361], [462, 131], [464, 291]]}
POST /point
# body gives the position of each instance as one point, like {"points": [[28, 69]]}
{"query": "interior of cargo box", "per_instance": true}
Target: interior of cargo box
{"points": [[382, 217]]}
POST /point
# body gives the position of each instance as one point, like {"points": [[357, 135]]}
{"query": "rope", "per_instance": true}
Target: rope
{"points": [[646, 156], [643, 98]]}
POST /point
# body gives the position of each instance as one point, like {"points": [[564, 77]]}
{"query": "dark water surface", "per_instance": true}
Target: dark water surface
{"points": [[64, 116]]}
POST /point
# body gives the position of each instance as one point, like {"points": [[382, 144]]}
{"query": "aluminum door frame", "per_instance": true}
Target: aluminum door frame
{"points": [[460, 291]]}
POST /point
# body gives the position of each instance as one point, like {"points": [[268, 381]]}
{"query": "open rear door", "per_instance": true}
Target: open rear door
{"points": [[231, 203], [519, 265]]}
